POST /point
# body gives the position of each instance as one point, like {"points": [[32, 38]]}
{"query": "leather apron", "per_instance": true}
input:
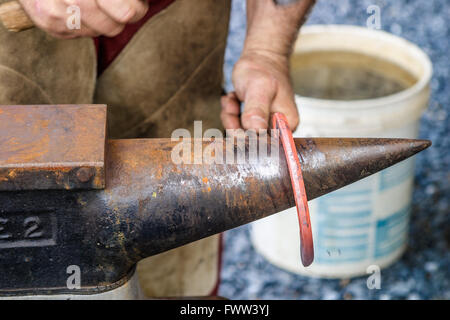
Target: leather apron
{"points": [[36, 68], [167, 76], [170, 73]]}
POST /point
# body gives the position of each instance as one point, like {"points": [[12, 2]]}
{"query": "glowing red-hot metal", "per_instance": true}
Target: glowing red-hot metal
{"points": [[279, 122]]}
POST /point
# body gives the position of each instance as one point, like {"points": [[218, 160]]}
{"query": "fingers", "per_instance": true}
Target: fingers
{"points": [[95, 17], [46, 14], [230, 111], [96, 20], [124, 11], [258, 98], [285, 103], [264, 96]]}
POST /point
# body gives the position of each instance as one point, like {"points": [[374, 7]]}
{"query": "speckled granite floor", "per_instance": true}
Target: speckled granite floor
{"points": [[424, 270]]}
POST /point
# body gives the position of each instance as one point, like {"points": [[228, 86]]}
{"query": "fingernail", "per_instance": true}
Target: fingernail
{"points": [[123, 9], [261, 122]]}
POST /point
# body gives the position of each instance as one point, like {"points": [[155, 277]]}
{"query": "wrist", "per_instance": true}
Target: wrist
{"points": [[271, 40], [266, 56], [273, 28]]}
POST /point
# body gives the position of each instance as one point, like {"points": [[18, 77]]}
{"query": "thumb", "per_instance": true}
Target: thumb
{"points": [[258, 99], [285, 103]]}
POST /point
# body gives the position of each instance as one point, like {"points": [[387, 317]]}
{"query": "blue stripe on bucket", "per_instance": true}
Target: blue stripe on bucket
{"points": [[389, 237], [344, 224], [344, 236], [397, 174], [341, 255]]}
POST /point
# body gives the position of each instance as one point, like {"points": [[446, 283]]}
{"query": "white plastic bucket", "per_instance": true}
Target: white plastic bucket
{"points": [[367, 222]]}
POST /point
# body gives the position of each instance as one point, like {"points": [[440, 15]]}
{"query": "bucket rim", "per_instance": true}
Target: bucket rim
{"points": [[421, 84]]}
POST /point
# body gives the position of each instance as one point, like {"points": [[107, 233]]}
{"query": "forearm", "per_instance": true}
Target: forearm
{"points": [[273, 29], [261, 76]]}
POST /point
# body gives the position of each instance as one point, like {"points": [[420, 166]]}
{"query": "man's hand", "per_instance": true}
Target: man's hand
{"points": [[261, 76], [261, 80], [98, 17]]}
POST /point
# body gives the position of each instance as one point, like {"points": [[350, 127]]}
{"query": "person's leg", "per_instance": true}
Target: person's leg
{"points": [[169, 75], [38, 69]]}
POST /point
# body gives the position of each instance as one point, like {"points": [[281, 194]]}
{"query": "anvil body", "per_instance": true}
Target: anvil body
{"points": [[134, 201], [151, 205]]}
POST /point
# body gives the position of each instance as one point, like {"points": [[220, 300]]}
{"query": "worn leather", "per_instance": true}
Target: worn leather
{"points": [[191, 270], [38, 69], [169, 75]]}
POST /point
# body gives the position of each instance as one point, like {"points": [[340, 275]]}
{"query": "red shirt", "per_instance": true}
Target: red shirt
{"points": [[109, 48]]}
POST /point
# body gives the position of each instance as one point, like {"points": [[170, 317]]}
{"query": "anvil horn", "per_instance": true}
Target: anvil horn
{"points": [[151, 204], [176, 204]]}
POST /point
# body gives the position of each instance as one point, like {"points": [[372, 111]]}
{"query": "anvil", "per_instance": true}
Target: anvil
{"points": [[69, 196]]}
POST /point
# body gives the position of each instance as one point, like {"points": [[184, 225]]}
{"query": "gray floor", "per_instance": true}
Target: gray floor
{"points": [[424, 271]]}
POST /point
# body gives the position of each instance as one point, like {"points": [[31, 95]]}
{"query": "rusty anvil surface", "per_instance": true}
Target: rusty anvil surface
{"points": [[52, 147], [50, 219]]}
